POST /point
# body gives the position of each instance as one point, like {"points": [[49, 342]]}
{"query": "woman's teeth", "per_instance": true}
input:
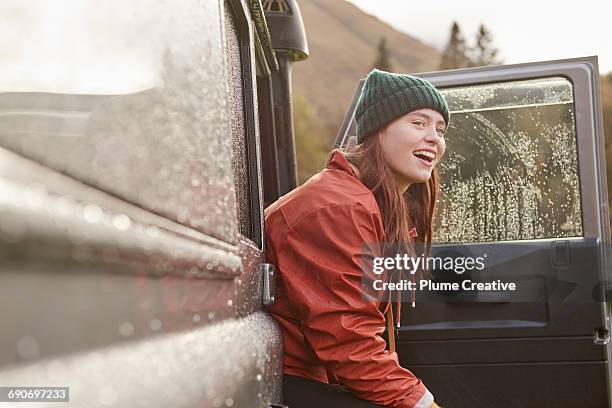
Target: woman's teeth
{"points": [[429, 156]]}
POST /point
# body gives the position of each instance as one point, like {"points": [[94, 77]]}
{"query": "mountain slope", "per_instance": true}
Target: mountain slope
{"points": [[342, 40]]}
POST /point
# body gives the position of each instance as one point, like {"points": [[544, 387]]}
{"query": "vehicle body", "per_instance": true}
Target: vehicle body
{"points": [[135, 163], [131, 202]]}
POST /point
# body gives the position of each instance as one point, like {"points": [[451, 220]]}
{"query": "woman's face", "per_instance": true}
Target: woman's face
{"points": [[412, 145]]}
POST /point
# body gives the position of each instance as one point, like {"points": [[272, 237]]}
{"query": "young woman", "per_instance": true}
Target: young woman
{"points": [[381, 190]]}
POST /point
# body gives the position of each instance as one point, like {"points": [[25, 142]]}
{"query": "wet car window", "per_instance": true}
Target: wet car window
{"points": [[137, 106], [510, 171]]}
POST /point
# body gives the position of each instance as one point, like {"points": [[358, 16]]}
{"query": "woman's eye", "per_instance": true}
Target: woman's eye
{"points": [[441, 132], [419, 123]]}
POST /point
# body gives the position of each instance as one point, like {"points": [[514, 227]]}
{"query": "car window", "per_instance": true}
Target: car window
{"points": [[510, 171], [137, 107]]}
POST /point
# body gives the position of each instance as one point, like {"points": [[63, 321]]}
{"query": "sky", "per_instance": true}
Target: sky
{"points": [[89, 46], [523, 30]]}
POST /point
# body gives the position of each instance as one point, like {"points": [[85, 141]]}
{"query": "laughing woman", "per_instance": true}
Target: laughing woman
{"points": [[381, 190]]}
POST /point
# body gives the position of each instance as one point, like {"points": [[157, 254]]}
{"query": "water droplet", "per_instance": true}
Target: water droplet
{"points": [[258, 377], [122, 222], [196, 318], [156, 324], [183, 214], [211, 315], [152, 231], [126, 329], [229, 402], [28, 348], [230, 302], [92, 213]]}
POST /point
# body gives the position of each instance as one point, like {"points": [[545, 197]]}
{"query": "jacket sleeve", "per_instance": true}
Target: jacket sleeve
{"points": [[322, 255]]}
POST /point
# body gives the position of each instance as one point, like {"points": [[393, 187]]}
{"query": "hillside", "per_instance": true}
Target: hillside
{"points": [[342, 41]]}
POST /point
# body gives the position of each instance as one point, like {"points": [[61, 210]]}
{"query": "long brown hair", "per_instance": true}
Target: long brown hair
{"points": [[400, 211]]}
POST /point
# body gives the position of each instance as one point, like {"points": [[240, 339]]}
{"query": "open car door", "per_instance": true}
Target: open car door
{"points": [[523, 185]]}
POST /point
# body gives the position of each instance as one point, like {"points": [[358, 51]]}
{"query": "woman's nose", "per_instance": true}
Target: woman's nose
{"points": [[432, 135]]}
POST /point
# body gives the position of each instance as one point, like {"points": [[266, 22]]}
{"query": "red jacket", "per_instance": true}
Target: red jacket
{"points": [[332, 334]]}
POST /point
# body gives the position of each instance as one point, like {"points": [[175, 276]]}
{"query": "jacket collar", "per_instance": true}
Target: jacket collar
{"points": [[338, 161]]}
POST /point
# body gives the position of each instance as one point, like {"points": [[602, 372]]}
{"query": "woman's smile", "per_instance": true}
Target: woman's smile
{"points": [[425, 156]]}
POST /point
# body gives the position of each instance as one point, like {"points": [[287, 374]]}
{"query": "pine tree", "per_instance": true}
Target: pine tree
{"points": [[383, 60], [456, 53], [484, 51]]}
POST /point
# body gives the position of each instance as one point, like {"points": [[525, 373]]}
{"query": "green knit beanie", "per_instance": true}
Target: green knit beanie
{"points": [[387, 96]]}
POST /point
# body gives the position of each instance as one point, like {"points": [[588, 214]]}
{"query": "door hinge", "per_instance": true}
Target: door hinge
{"points": [[268, 284], [601, 336]]}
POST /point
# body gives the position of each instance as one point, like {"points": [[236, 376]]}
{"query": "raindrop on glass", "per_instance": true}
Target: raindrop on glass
{"points": [[126, 329], [156, 324], [152, 231], [28, 348], [121, 222]]}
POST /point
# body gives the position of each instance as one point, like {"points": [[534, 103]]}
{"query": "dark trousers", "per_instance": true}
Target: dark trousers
{"points": [[300, 392]]}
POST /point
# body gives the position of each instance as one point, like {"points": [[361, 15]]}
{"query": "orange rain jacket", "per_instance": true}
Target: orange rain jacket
{"points": [[332, 334]]}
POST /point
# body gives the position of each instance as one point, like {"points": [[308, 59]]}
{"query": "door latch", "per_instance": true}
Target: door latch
{"points": [[601, 336], [268, 284], [561, 253]]}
